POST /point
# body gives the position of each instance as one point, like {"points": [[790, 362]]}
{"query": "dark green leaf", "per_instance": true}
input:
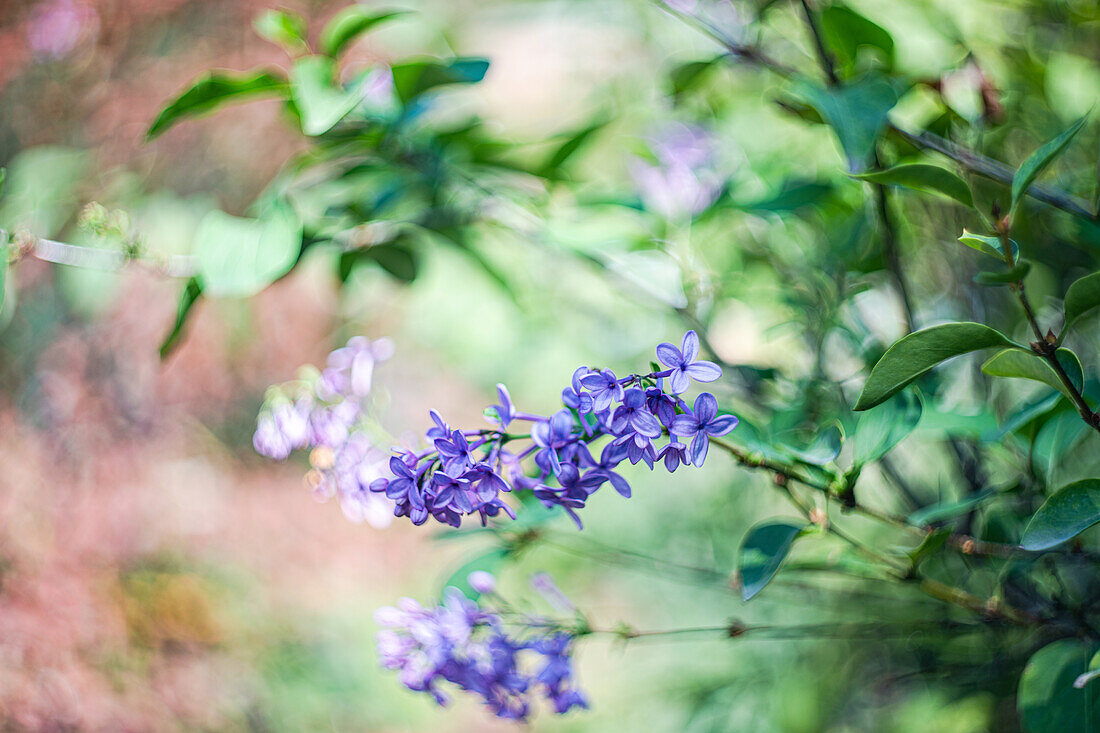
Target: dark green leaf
{"points": [[1083, 295], [215, 89], [933, 542], [856, 112], [191, 292], [880, 429], [319, 100], [396, 259], [795, 194], [413, 78], [1039, 160], [989, 245], [1046, 698], [948, 509], [846, 32], [487, 561], [350, 23], [1056, 438], [1023, 416], [1067, 513], [919, 352], [685, 76], [1029, 365], [762, 552], [923, 178], [240, 257], [1013, 275], [283, 28]]}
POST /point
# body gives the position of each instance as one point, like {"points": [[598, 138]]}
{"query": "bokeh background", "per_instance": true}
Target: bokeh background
{"points": [[155, 574]]}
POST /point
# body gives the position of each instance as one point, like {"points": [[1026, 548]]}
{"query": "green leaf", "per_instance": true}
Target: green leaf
{"points": [[1029, 365], [215, 89], [1023, 416], [856, 112], [948, 509], [1067, 513], [846, 32], [350, 23], [922, 177], [880, 429], [487, 561], [989, 245], [933, 542], [685, 76], [396, 259], [824, 448], [1039, 160], [1056, 438], [919, 352], [762, 552], [1083, 295], [563, 152], [240, 257], [1013, 275], [283, 28], [41, 189], [191, 292], [319, 100], [1046, 698], [413, 78]]}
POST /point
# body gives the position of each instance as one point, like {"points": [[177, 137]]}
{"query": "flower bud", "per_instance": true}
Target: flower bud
{"points": [[482, 582]]}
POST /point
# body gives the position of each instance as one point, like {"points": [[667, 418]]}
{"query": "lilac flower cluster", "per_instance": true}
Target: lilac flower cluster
{"points": [[325, 413], [460, 643], [465, 472]]}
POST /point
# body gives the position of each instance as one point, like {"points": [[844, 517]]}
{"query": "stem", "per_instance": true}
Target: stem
{"points": [[890, 251], [823, 57]]}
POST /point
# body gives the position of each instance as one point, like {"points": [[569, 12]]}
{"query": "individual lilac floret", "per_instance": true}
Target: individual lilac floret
{"points": [[701, 424], [459, 643], [683, 180], [685, 364], [482, 582]]}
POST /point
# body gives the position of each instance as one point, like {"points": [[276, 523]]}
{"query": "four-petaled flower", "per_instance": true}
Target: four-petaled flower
{"points": [[605, 388], [684, 363], [702, 423]]}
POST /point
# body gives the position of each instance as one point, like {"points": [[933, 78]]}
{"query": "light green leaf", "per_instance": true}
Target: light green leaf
{"points": [[1065, 514], [989, 245], [846, 32], [824, 448], [948, 509], [41, 189], [215, 89], [880, 429], [762, 552], [240, 257], [1046, 698], [283, 28], [486, 561], [413, 78], [922, 177], [350, 23], [564, 151], [1039, 160], [1083, 295], [1029, 365], [919, 352], [319, 100], [1013, 275], [856, 112]]}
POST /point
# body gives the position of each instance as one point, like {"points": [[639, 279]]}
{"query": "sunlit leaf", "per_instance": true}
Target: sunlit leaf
{"points": [[1081, 297], [1067, 513], [411, 79], [922, 177], [571, 145], [319, 100], [989, 245], [214, 90], [1029, 365], [762, 552], [1046, 697], [350, 23], [283, 28], [1039, 160], [846, 32], [883, 427], [240, 257], [919, 352]]}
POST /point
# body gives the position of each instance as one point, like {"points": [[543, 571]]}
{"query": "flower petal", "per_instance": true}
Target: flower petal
{"points": [[690, 346], [706, 407], [699, 445], [679, 381], [721, 425], [704, 371], [669, 355]]}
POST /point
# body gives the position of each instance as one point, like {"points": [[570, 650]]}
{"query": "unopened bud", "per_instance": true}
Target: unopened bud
{"points": [[968, 546], [482, 581], [322, 457], [1051, 338], [819, 517]]}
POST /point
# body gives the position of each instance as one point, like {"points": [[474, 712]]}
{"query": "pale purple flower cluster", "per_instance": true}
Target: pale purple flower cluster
{"points": [[465, 472], [683, 180], [325, 414], [460, 643]]}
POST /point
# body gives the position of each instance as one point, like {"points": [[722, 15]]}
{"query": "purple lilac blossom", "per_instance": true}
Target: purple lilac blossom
{"points": [[460, 643], [683, 181], [468, 472]]}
